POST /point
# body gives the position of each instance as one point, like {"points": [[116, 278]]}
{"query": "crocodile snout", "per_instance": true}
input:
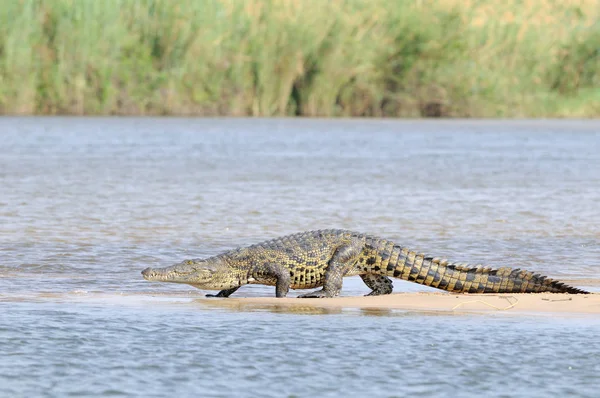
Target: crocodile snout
{"points": [[148, 273]]}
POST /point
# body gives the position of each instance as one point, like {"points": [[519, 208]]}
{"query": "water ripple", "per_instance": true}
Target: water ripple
{"points": [[87, 203]]}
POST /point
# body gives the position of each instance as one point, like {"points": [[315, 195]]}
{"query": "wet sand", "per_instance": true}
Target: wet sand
{"points": [[517, 303]]}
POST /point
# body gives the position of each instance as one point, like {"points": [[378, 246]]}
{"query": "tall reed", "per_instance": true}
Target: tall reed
{"points": [[467, 58]]}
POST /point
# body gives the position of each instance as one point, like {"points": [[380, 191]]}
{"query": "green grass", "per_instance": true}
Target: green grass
{"points": [[470, 58]]}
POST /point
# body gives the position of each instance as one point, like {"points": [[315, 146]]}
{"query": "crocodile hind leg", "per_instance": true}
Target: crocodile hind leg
{"points": [[343, 259], [224, 293], [379, 284]]}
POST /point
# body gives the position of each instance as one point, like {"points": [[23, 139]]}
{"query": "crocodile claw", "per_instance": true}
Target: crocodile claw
{"points": [[315, 294]]}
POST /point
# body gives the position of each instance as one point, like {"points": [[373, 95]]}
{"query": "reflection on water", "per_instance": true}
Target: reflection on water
{"points": [[87, 203], [298, 309]]}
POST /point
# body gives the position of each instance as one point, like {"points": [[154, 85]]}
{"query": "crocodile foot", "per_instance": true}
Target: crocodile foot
{"points": [[224, 293], [316, 294], [375, 293]]}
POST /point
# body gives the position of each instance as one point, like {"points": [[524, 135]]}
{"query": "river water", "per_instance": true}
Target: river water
{"points": [[87, 203]]}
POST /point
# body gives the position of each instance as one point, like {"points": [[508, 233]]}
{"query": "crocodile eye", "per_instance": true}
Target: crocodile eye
{"points": [[189, 262]]}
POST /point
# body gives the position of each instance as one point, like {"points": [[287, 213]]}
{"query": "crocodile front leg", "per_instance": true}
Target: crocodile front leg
{"points": [[224, 293], [379, 284], [343, 259], [277, 272]]}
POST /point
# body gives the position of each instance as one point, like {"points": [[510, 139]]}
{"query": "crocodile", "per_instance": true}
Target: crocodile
{"points": [[323, 258]]}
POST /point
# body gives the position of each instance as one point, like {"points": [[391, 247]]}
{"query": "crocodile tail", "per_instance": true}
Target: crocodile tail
{"points": [[461, 278]]}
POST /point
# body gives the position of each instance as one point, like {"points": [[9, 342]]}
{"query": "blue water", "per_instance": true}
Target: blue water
{"points": [[87, 203]]}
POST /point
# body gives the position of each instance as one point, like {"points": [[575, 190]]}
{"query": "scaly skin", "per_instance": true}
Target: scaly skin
{"points": [[323, 258]]}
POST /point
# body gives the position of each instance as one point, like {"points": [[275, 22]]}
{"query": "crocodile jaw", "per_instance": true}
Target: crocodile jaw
{"points": [[184, 272], [208, 274]]}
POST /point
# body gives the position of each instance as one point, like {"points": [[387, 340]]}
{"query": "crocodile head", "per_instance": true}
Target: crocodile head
{"points": [[210, 274]]}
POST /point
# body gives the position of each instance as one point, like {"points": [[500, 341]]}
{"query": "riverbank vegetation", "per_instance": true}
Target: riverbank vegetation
{"points": [[456, 58]]}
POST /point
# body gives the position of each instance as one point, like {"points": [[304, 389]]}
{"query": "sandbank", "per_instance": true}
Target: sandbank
{"points": [[427, 301]]}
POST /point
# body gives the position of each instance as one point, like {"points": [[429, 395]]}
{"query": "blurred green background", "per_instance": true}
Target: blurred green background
{"points": [[487, 58]]}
